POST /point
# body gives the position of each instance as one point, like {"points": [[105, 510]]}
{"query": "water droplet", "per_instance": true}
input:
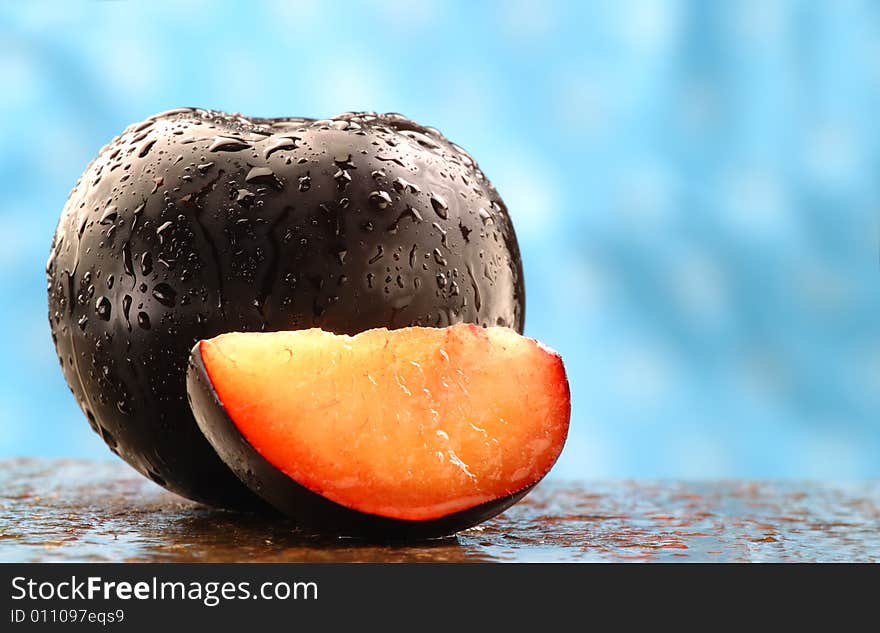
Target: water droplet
{"points": [[342, 178], [408, 212], [263, 175], [143, 320], [228, 144], [146, 147], [402, 185], [169, 113], [110, 280], [344, 161], [380, 199], [82, 322], [109, 216], [204, 168], [126, 260], [465, 232], [341, 256], [440, 206], [478, 302], [444, 234], [392, 159], [165, 294], [140, 127], [485, 216], [103, 308], [138, 210], [162, 229], [245, 198], [157, 182], [282, 142], [126, 306], [146, 264], [305, 183], [378, 255], [438, 257]]}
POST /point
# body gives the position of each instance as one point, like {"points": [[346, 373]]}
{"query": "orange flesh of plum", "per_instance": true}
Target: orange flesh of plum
{"points": [[415, 423]]}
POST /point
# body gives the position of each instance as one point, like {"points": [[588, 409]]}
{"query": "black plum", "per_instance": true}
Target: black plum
{"points": [[194, 223]]}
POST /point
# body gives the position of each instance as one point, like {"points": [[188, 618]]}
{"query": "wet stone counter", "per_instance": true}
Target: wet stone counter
{"points": [[103, 511]]}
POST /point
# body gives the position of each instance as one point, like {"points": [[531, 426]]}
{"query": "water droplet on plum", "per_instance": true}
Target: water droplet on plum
{"points": [[165, 294], [103, 308], [380, 199], [228, 144], [440, 206]]}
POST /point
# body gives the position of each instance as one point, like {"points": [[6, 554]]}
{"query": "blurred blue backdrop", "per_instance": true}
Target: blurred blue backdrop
{"points": [[694, 185]]}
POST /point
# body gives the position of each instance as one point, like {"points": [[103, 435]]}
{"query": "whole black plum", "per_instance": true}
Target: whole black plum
{"points": [[196, 222]]}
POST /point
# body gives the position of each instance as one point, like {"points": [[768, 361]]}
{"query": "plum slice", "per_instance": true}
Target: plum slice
{"points": [[414, 432]]}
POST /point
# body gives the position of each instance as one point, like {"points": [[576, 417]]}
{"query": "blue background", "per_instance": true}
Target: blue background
{"points": [[694, 185]]}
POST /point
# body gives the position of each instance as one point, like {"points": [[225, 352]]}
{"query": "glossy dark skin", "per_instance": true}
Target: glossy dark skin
{"points": [[309, 510], [194, 223]]}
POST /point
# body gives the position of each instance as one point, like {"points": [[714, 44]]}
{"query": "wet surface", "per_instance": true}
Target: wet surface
{"points": [[102, 511]]}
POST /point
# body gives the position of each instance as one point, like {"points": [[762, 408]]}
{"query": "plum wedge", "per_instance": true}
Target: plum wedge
{"points": [[410, 433]]}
